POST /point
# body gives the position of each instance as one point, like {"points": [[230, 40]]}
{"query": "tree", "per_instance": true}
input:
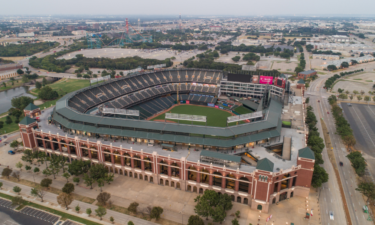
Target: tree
{"points": [[77, 208], [68, 188], [76, 180], [359, 98], [78, 167], [320, 176], [111, 219], [358, 162], [6, 172], [360, 35], [1, 184], [44, 81], [100, 212], [8, 120], [46, 182], [130, 223], [355, 92], [344, 65], [367, 189], [103, 197], [4, 84], [21, 102], [38, 85], [1, 124], [79, 75], [235, 222], [195, 220], [343, 96], [340, 90], [47, 93], [14, 144], [133, 207], [17, 189], [38, 191], [19, 165], [236, 58], [16, 174], [367, 98], [88, 211], [64, 199], [298, 69], [27, 167], [66, 175], [331, 67], [18, 200], [109, 177], [100, 183], [20, 72], [88, 180], [156, 212]]}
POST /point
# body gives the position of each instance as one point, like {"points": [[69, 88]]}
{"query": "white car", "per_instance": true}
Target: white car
{"points": [[331, 217]]}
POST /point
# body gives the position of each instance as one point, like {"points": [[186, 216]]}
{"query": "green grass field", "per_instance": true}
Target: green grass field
{"points": [[7, 128], [65, 86], [242, 110], [215, 117]]}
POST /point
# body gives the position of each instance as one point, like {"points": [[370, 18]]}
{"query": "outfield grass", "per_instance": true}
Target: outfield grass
{"points": [[287, 123], [215, 117], [242, 110]]}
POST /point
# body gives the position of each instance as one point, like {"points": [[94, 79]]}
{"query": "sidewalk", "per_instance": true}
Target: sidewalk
{"points": [[50, 200]]}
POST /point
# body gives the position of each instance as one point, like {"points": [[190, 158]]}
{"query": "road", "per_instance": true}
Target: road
{"points": [[330, 192], [307, 59]]}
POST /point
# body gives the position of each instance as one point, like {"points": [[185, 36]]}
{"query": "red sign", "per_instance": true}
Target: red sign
{"points": [[266, 80], [187, 101]]}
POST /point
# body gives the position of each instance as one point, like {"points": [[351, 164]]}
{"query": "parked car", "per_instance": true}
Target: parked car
{"points": [[327, 112], [318, 100], [331, 217], [10, 152], [341, 163]]}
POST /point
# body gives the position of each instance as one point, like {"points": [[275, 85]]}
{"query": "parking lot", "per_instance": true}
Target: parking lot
{"points": [[362, 120], [10, 217], [6, 204], [47, 217]]}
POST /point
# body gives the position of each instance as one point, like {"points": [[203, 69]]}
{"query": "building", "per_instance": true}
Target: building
{"points": [[32, 111], [322, 56], [79, 32], [159, 152], [70, 27], [301, 84], [339, 38], [306, 74], [337, 63], [6, 67], [8, 74], [31, 34]]}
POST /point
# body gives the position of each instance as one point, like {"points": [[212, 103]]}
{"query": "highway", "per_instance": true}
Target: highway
{"points": [[330, 197]]}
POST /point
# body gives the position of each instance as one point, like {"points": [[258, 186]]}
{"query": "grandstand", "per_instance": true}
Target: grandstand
{"points": [[140, 91]]}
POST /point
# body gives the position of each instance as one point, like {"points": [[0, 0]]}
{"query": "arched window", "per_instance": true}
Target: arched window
{"points": [[243, 185], [39, 141], [48, 143], [127, 159], [148, 164], [205, 176], [137, 162], [55, 144], [192, 173], [175, 170], [94, 153], [217, 179], [163, 167], [230, 181]]}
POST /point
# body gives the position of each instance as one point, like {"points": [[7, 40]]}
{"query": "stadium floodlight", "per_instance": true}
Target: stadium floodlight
{"points": [[246, 116]]}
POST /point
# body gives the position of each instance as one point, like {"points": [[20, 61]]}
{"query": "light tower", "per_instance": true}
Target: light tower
{"points": [[127, 25]]}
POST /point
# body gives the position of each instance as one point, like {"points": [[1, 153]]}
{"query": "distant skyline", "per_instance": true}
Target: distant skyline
{"points": [[192, 7]]}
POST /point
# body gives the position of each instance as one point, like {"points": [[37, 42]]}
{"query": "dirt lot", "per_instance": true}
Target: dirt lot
{"points": [[362, 81], [284, 66]]}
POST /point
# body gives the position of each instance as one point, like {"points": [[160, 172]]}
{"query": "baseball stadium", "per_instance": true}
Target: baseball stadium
{"points": [[191, 129]]}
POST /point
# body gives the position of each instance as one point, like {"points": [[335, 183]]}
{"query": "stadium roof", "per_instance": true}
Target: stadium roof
{"points": [[217, 155], [27, 120], [306, 153], [265, 164], [252, 105], [31, 107]]}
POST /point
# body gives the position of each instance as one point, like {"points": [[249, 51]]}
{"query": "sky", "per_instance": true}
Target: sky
{"points": [[190, 7]]}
